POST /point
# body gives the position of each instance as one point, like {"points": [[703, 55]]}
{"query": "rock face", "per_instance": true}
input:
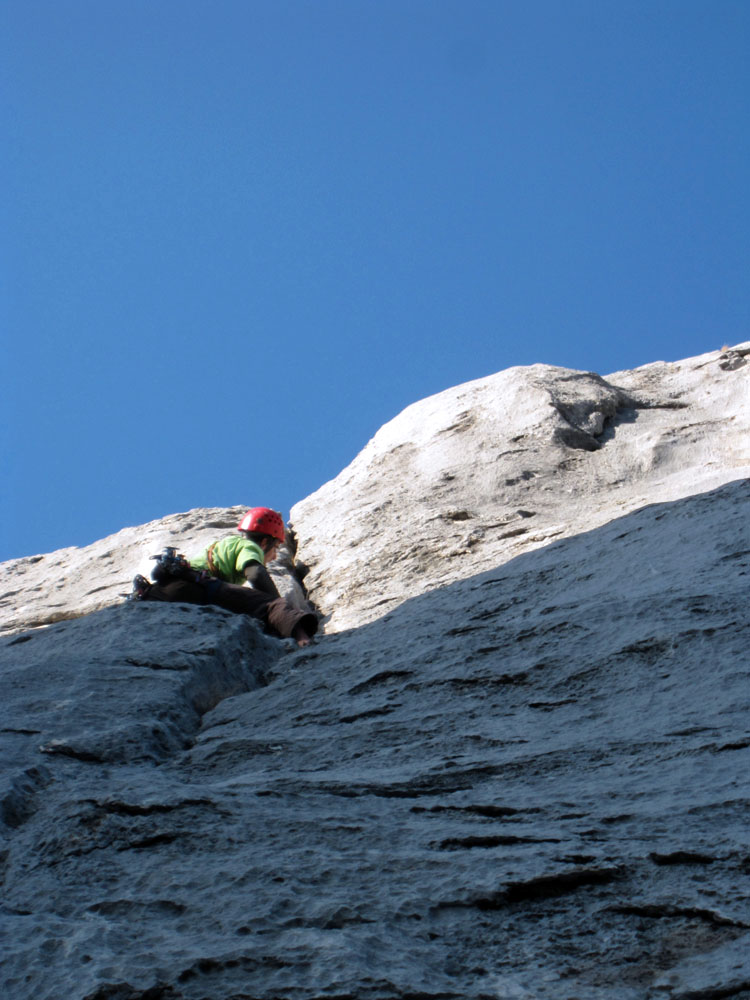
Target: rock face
{"points": [[44, 589], [478, 474], [528, 782]]}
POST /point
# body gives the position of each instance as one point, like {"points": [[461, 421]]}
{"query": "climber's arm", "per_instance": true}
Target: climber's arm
{"points": [[259, 578]]}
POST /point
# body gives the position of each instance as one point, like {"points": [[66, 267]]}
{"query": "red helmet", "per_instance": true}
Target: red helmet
{"points": [[265, 521]]}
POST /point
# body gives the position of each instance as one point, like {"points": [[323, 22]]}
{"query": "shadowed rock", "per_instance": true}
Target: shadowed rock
{"points": [[529, 782]]}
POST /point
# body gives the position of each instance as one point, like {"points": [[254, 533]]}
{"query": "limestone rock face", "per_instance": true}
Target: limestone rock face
{"points": [[43, 589], [530, 783], [527, 782], [475, 475]]}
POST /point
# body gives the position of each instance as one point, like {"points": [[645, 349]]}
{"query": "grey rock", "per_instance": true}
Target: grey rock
{"points": [[43, 589], [526, 782]]}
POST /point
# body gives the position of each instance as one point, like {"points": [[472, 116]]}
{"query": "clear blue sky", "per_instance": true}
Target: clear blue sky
{"points": [[238, 236]]}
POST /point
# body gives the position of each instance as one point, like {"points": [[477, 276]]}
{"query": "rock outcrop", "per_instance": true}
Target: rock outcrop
{"points": [[476, 475], [527, 779], [43, 589]]}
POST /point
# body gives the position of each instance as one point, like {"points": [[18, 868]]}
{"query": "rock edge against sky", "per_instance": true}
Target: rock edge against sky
{"points": [[456, 483], [523, 778]]}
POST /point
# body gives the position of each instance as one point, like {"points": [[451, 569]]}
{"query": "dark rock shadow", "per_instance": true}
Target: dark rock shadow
{"points": [[528, 783]]}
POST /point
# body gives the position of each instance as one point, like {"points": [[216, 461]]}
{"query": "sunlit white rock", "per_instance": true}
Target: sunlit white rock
{"points": [[477, 474]]}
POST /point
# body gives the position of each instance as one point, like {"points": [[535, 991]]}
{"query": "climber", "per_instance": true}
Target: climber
{"points": [[215, 577]]}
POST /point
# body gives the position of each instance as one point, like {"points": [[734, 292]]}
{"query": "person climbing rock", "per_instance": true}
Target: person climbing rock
{"points": [[216, 577]]}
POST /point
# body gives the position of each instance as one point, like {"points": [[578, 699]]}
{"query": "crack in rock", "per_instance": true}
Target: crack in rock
{"points": [[540, 888], [667, 911]]}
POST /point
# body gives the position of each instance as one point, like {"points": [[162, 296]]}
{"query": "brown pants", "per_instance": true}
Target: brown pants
{"points": [[276, 614]]}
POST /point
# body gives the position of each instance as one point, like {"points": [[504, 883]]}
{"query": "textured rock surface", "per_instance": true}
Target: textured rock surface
{"points": [[527, 783], [477, 474], [530, 783], [43, 589]]}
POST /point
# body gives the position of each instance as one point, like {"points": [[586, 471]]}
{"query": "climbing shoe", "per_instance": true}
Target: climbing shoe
{"points": [[141, 587]]}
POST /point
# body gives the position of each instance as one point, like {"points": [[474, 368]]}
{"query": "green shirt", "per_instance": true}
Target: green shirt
{"points": [[230, 556]]}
